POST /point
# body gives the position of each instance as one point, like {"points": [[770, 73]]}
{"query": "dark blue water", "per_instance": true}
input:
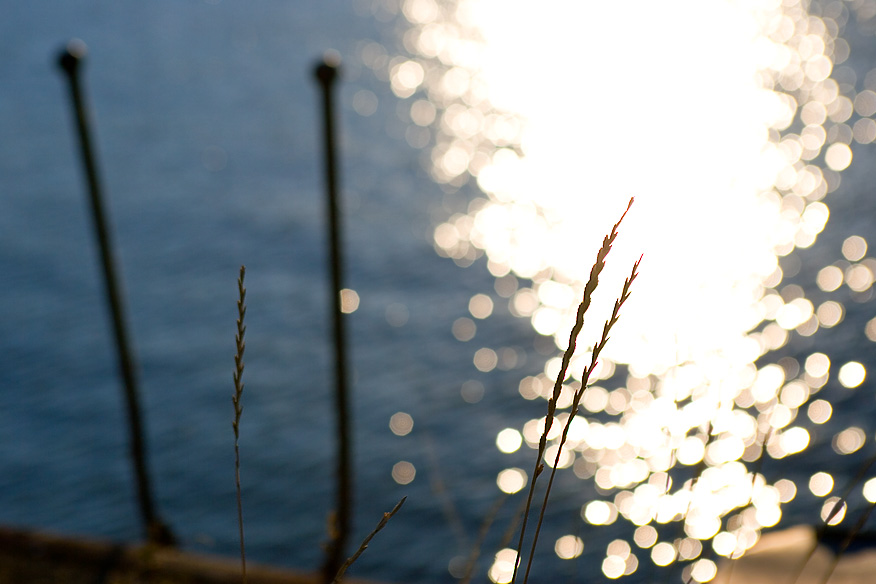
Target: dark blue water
{"points": [[208, 142], [207, 135]]}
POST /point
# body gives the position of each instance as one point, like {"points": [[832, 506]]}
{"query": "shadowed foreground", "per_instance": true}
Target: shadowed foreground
{"points": [[777, 558], [28, 557]]}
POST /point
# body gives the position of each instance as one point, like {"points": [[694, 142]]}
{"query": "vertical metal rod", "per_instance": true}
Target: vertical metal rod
{"points": [[326, 74], [70, 60]]}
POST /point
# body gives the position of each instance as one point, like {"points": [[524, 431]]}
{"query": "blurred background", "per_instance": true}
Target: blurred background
{"points": [[487, 147]]}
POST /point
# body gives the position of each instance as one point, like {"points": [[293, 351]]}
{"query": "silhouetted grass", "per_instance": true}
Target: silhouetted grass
{"points": [[524, 512], [364, 545], [589, 289], [240, 347]]}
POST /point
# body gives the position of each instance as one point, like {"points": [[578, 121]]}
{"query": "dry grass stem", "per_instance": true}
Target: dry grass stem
{"points": [[589, 289], [585, 377], [837, 507], [364, 545], [482, 535], [240, 347], [847, 541]]}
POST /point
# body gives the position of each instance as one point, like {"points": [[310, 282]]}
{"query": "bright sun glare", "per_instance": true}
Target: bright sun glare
{"points": [[676, 107], [722, 119]]}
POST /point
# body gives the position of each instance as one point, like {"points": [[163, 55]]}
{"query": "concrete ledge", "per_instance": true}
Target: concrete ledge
{"points": [[32, 557]]}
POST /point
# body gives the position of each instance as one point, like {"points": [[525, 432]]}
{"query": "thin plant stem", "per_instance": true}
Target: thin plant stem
{"points": [[508, 534], [482, 535], [754, 474], [819, 533], [847, 541], [240, 347], [615, 315], [364, 545], [589, 289], [440, 490]]}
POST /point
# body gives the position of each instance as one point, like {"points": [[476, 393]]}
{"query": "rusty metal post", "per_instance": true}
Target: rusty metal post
{"points": [[70, 61], [326, 73]]}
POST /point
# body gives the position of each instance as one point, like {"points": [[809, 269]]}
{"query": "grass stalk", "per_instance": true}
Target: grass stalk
{"points": [[837, 507], [364, 545], [475, 552], [597, 349], [847, 541], [240, 347], [589, 289]]}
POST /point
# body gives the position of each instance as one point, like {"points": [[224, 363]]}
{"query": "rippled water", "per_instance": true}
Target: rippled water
{"points": [[731, 123], [509, 141]]}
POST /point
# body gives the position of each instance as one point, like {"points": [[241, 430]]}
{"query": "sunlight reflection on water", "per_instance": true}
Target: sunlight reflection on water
{"points": [[723, 119]]}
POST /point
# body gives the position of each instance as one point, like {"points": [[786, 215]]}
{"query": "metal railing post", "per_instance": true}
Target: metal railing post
{"points": [[70, 61], [326, 74]]}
